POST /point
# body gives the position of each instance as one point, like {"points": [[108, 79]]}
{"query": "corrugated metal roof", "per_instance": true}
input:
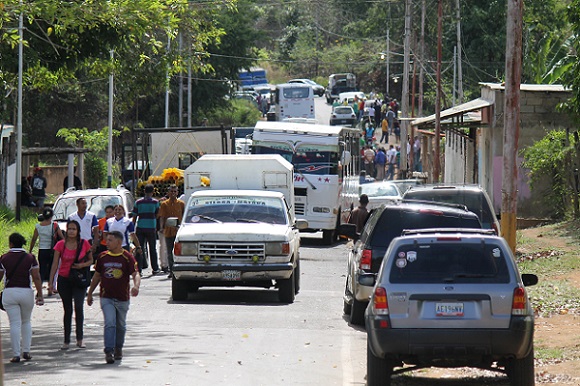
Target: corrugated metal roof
{"points": [[476, 104], [529, 87]]}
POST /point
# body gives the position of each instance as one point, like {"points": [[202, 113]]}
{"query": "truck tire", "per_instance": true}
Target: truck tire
{"points": [[286, 290], [297, 277], [357, 312], [521, 371], [179, 289], [379, 370], [328, 236]]}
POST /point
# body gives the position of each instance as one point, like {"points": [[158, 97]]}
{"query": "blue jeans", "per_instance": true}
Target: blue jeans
{"points": [[115, 315]]}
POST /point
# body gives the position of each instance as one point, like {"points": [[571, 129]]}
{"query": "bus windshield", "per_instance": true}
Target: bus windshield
{"points": [[306, 158]]}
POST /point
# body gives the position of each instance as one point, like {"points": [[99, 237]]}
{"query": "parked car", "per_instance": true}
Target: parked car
{"points": [[97, 200], [318, 89], [342, 115], [472, 196], [404, 185], [383, 225], [380, 192], [250, 96], [449, 298]]}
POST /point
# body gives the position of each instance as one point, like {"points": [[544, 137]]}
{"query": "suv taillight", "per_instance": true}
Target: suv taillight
{"points": [[380, 304], [366, 259], [520, 301]]}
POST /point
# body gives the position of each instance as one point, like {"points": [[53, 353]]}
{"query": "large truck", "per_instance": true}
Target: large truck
{"points": [[338, 83], [239, 227]]}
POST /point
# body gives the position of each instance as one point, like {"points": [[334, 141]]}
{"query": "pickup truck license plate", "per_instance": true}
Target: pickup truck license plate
{"points": [[231, 275], [449, 309]]}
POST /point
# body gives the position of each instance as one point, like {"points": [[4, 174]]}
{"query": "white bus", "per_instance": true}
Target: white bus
{"points": [[293, 100], [323, 156]]}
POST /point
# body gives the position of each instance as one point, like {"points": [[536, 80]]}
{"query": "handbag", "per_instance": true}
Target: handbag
{"points": [[79, 277], [10, 277]]}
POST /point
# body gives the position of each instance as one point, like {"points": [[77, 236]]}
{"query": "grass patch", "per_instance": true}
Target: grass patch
{"points": [[554, 297], [9, 225]]}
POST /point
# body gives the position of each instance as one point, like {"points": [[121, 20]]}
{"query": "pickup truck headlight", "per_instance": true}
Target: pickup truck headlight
{"points": [[277, 249], [185, 249]]}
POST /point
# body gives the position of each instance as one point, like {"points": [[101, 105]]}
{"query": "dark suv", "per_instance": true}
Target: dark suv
{"points": [[383, 225], [473, 197], [450, 298]]}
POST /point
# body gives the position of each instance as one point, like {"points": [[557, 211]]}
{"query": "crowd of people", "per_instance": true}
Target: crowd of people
{"points": [[64, 261]]}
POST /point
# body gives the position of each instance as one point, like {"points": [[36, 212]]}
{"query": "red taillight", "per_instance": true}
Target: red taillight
{"points": [[519, 302], [366, 259], [431, 211], [177, 249], [380, 304]]}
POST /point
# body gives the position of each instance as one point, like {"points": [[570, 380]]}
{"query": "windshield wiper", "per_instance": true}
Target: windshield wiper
{"points": [[247, 220], [206, 217]]}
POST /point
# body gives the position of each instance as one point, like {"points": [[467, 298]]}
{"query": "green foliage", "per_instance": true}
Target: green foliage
{"points": [[239, 112], [8, 225], [96, 141], [551, 158]]}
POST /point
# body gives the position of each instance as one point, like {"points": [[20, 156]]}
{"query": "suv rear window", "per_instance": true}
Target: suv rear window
{"points": [[473, 200], [449, 263], [393, 222]]}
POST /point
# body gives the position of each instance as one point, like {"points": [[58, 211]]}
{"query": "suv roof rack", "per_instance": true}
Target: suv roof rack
{"points": [[490, 232], [438, 203]]}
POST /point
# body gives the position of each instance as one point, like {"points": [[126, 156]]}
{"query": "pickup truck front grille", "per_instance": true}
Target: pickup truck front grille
{"points": [[229, 251]]}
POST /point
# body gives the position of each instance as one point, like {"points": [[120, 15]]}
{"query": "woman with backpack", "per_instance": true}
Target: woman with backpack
{"points": [[47, 233]]}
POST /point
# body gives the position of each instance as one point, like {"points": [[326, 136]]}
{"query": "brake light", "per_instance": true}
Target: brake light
{"points": [[449, 238], [431, 211], [366, 259], [520, 301], [177, 249], [380, 304]]}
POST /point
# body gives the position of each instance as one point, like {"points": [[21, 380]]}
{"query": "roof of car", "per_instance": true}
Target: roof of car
{"points": [[472, 187], [428, 206], [72, 192]]}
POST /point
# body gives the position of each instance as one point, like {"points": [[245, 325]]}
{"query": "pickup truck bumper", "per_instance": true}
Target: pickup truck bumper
{"points": [[425, 345], [248, 272]]}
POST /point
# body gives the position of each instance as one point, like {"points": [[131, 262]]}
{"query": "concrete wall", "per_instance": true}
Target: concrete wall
{"points": [[538, 116], [459, 159]]}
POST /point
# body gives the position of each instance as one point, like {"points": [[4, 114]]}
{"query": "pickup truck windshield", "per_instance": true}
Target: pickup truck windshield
{"points": [[243, 209]]}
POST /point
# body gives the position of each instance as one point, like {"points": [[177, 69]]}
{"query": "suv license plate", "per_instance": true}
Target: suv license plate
{"points": [[231, 275], [449, 309]]}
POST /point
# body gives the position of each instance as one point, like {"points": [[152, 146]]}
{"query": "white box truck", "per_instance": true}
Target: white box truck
{"points": [[239, 227]]}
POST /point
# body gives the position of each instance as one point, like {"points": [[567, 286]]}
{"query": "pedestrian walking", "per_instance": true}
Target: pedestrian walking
{"points": [[119, 222], [18, 267], [360, 215], [89, 225], [38, 188], [172, 207], [391, 159], [380, 162], [47, 232], [113, 271], [72, 252], [109, 212], [145, 214]]}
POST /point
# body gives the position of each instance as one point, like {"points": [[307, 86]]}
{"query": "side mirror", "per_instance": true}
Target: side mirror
{"points": [[301, 224], [172, 222], [348, 230], [529, 279], [367, 279]]}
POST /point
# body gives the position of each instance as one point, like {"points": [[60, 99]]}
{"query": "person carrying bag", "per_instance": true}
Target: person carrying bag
{"points": [[68, 263]]}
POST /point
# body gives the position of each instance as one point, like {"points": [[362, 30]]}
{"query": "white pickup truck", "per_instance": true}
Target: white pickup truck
{"points": [[238, 228]]}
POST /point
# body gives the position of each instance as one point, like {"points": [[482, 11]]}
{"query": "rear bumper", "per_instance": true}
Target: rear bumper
{"points": [[249, 272], [460, 345]]}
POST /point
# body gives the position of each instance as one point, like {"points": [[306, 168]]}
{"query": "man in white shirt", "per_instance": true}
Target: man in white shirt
{"points": [[391, 160], [88, 222]]}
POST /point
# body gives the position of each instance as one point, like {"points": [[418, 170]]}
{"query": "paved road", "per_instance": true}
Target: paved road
{"points": [[219, 336]]}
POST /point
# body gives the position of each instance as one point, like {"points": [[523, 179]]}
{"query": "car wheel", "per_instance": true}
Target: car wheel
{"points": [[297, 277], [379, 370], [286, 290], [346, 307], [521, 371], [357, 312], [179, 289]]}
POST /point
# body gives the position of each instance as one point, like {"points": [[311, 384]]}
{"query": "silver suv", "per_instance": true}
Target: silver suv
{"points": [[97, 200], [449, 298]]}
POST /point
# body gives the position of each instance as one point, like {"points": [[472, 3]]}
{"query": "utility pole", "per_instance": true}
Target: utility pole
{"points": [[513, 73], [110, 135], [422, 59], [405, 93], [436, 163], [459, 67], [388, 54], [19, 121]]}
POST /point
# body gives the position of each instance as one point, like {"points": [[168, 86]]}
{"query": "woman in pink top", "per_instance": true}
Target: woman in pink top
{"points": [[72, 252]]}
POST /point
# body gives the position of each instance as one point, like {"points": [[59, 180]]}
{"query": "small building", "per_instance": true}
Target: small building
{"points": [[473, 137]]}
